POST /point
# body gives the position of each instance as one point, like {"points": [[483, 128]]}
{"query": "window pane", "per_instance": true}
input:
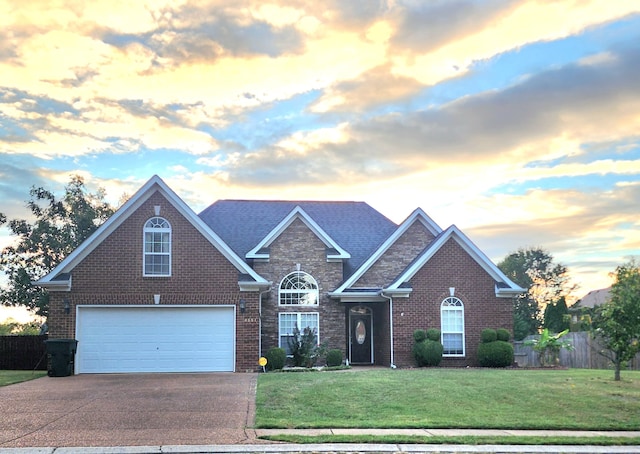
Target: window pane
{"points": [[298, 288], [156, 264], [452, 344], [310, 320], [287, 323]]}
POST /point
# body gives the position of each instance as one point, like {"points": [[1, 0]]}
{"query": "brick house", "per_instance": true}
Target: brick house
{"points": [[158, 288]]}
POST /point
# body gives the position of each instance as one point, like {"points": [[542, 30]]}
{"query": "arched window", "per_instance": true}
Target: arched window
{"points": [[299, 289], [157, 247], [452, 326]]}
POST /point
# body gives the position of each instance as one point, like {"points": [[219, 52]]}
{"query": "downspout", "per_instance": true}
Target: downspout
{"points": [[260, 319], [393, 365]]}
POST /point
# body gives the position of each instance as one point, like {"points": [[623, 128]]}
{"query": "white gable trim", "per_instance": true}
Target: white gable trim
{"points": [[297, 213], [471, 249], [155, 184], [417, 215]]}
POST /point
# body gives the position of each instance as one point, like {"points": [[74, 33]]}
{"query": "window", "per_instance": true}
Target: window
{"points": [[157, 247], [452, 326], [298, 288], [289, 320]]}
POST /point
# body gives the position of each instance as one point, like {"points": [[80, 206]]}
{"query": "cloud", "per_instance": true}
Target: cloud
{"points": [[581, 229], [371, 89], [525, 23], [527, 122]]}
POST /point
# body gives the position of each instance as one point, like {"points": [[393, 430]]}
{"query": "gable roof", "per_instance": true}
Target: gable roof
{"points": [[595, 298], [504, 286], [418, 215], [60, 279], [335, 251], [355, 227]]}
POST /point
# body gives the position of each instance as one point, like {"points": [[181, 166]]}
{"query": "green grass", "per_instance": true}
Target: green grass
{"points": [[576, 399], [9, 377], [457, 440]]}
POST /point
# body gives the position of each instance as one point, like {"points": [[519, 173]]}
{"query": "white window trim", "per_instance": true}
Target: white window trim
{"points": [[301, 328], [446, 307], [315, 292], [145, 254]]}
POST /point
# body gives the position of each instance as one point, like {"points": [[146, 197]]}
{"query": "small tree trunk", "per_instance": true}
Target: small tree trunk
{"points": [[616, 374]]}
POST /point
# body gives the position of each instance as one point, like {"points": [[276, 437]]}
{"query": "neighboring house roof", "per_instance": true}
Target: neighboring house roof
{"points": [[504, 286], [60, 279], [355, 227], [594, 298]]}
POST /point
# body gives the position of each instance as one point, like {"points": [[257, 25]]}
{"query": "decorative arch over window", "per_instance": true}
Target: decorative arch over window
{"points": [[452, 326], [298, 289], [157, 247]]}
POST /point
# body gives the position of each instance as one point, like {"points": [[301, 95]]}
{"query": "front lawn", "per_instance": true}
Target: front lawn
{"points": [[576, 399], [9, 377]]}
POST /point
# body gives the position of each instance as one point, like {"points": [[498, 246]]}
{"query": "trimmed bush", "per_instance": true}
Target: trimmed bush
{"points": [[427, 353], [495, 354], [276, 358], [433, 334], [419, 335], [488, 335], [334, 357], [503, 334]]}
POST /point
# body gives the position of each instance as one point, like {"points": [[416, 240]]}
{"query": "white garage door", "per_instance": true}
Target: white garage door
{"points": [[155, 339]]}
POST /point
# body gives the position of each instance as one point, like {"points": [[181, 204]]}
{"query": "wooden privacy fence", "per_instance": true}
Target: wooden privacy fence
{"points": [[583, 356], [23, 353]]}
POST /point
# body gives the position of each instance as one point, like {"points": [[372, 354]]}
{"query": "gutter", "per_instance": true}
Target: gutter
{"points": [[390, 298]]}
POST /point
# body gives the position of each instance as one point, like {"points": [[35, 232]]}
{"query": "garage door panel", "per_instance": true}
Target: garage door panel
{"points": [[155, 339]]}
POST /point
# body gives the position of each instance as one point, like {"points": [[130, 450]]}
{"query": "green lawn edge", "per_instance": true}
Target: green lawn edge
{"points": [[11, 377], [456, 440]]}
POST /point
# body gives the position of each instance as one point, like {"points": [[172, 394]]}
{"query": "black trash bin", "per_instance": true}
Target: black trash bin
{"points": [[61, 354]]}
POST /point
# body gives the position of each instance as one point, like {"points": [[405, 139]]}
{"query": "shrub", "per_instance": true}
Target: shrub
{"points": [[433, 334], [427, 353], [419, 335], [304, 347], [495, 354], [276, 358], [488, 335], [503, 334], [334, 357]]}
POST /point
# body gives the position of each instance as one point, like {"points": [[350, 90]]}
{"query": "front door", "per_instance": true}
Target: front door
{"points": [[360, 336]]}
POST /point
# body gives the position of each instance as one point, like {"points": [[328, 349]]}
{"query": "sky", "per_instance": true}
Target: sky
{"points": [[517, 121]]}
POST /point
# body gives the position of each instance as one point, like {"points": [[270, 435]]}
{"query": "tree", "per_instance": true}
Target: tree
{"points": [[59, 226], [14, 328], [616, 323], [556, 316], [546, 282]]}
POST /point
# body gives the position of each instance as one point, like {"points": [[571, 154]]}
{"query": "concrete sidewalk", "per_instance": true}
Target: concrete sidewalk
{"points": [[258, 446], [330, 448]]}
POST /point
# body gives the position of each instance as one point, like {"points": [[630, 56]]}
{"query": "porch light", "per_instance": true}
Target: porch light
{"points": [[67, 306], [243, 306]]}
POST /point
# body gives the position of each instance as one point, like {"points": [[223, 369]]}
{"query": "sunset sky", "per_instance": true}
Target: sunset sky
{"points": [[517, 121]]}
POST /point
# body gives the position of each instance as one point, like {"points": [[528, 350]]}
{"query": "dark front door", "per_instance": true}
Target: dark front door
{"points": [[360, 336]]}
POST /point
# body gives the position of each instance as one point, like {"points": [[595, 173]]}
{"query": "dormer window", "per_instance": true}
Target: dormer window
{"points": [[157, 247], [299, 289]]}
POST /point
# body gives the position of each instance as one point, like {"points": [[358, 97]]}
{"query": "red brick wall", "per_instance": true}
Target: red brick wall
{"points": [[299, 245], [451, 266], [200, 274], [397, 257]]}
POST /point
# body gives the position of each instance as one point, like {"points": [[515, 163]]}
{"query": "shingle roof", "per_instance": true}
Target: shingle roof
{"points": [[355, 226]]}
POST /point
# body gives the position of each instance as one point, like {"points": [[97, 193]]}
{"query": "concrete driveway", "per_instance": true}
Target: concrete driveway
{"points": [[128, 410]]}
